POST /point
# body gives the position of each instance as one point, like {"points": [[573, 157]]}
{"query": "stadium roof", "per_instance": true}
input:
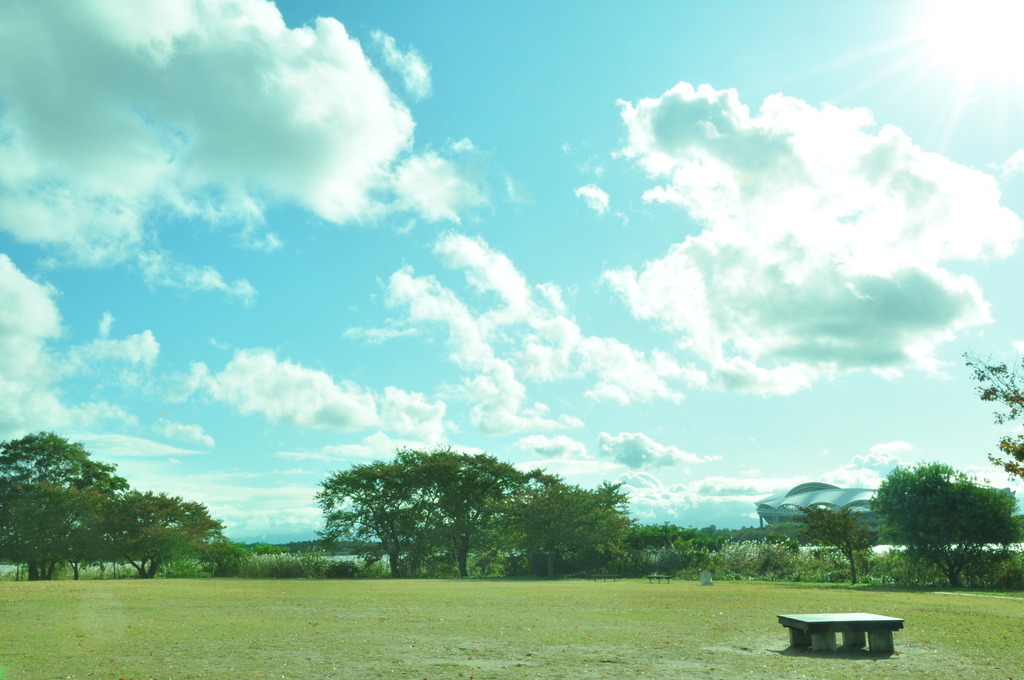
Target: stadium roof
{"points": [[786, 505]]}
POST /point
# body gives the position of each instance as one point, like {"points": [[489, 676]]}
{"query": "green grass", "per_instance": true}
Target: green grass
{"points": [[481, 630]]}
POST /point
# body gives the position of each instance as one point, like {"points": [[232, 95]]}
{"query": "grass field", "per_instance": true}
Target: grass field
{"points": [[481, 630]]}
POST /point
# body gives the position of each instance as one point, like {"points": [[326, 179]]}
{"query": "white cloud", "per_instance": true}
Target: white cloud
{"points": [[650, 498], [516, 193], [637, 450], [869, 470], [160, 270], [559, 446], [122, 446], [410, 65], [1018, 346], [717, 499], [594, 197], [822, 243], [853, 477], [886, 452], [626, 375], [410, 415], [544, 343], [28, 320], [138, 349], [282, 512], [573, 467], [210, 110], [427, 301], [1014, 165], [498, 396], [500, 404], [183, 432], [255, 381], [377, 446], [521, 332], [436, 188], [378, 336], [253, 506], [563, 455]]}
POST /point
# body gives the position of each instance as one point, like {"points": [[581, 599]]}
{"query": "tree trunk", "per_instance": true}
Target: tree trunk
{"points": [[74, 568], [41, 571], [393, 563], [853, 567], [462, 558], [551, 564]]}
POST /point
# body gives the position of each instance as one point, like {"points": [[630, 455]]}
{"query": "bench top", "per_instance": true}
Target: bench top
{"points": [[814, 623]]}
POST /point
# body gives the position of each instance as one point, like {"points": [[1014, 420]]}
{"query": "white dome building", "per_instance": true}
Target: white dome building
{"points": [[787, 506]]}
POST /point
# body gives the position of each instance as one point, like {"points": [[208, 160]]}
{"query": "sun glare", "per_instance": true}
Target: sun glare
{"points": [[976, 40]]}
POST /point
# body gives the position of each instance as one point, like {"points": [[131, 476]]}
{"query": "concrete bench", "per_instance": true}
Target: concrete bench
{"points": [[818, 631], [659, 578]]}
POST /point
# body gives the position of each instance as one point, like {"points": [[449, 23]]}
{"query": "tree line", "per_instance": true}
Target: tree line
{"points": [[450, 513], [424, 510], [58, 506]]}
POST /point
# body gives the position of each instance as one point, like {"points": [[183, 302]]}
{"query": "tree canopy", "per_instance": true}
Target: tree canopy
{"points": [[942, 516], [842, 529], [460, 495], [553, 519], [427, 505], [1003, 385], [49, 490], [148, 529], [58, 505], [372, 502]]}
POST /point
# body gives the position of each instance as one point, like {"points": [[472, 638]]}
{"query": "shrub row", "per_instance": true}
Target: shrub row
{"points": [[742, 560]]}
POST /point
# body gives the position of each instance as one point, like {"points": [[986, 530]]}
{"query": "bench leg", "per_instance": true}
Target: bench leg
{"points": [[881, 641], [799, 638], [823, 642], [854, 639]]}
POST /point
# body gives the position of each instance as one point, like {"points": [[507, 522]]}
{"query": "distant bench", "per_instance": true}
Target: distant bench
{"points": [[659, 578], [818, 631], [604, 577]]}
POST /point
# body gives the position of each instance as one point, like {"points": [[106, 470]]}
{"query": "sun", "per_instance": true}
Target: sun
{"points": [[975, 40]]}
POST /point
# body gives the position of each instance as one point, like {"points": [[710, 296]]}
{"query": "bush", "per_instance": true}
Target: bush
{"points": [[185, 567], [761, 560], [1008, 574], [310, 564], [896, 568]]}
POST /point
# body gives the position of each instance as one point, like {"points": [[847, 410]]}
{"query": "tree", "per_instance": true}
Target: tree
{"points": [[222, 556], [147, 530], [842, 529], [942, 516], [372, 502], [420, 504], [48, 493], [1003, 385], [461, 495], [557, 519], [667, 548]]}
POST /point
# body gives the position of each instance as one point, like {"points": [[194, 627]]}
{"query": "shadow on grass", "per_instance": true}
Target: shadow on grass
{"points": [[861, 588], [851, 654]]}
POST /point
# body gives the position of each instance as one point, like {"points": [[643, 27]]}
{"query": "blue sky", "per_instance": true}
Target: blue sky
{"points": [[710, 250]]}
